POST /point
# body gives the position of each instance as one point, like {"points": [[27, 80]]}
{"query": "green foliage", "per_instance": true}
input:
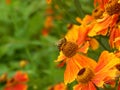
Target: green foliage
{"points": [[21, 24]]}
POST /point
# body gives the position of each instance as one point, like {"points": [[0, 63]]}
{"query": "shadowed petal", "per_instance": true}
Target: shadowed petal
{"points": [[82, 61], [71, 71]]}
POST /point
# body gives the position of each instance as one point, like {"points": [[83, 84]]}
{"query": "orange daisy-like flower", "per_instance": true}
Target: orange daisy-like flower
{"points": [[70, 48], [59, 86], [109, 17], [17, 82], [89, 78], [102, 25]]}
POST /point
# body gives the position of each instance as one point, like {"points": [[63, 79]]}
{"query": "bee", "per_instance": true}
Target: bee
{"points": [[61, 43]]}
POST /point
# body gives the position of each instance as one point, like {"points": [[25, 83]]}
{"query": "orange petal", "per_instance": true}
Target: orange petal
{"points": [[72, 34], [115, 38], [82, 34], [84, 48], [21, 77], [77, 87], [91, 86], [103, 24], [104, 68], [106, 61], [87, 20], [94, 44], [88, 86], [103, 60], [60, 86], [83, 61], [71, 71], [102, 77], [110, 81], [102, 3], [17, 87]]}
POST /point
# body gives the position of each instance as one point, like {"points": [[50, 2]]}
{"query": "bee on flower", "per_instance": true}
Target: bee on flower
{"points": [[72, 47]]}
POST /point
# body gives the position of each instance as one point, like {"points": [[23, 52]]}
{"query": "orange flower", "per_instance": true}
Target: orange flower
{"points": [[89, 78], [59, 86], [17, 82], [70, 47]]}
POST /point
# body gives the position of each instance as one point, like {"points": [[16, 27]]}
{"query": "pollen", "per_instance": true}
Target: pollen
{"points": [[113, 7], [97, 13], [85, 75], [70, 49]]}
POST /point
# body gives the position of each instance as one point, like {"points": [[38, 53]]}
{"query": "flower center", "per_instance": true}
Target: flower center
{"points": [[85, 75], [69, 49], [97, 13], [113, 7]]}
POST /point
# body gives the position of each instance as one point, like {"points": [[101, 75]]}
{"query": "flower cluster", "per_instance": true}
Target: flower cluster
{"points": [[17, 82], [74, 48]]}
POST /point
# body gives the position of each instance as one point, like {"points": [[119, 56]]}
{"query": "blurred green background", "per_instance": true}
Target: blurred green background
{"points": [[29, 31]]}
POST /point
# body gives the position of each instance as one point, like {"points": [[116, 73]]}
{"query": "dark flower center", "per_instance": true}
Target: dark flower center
{"points": [[85, 75], [69, 49]]}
